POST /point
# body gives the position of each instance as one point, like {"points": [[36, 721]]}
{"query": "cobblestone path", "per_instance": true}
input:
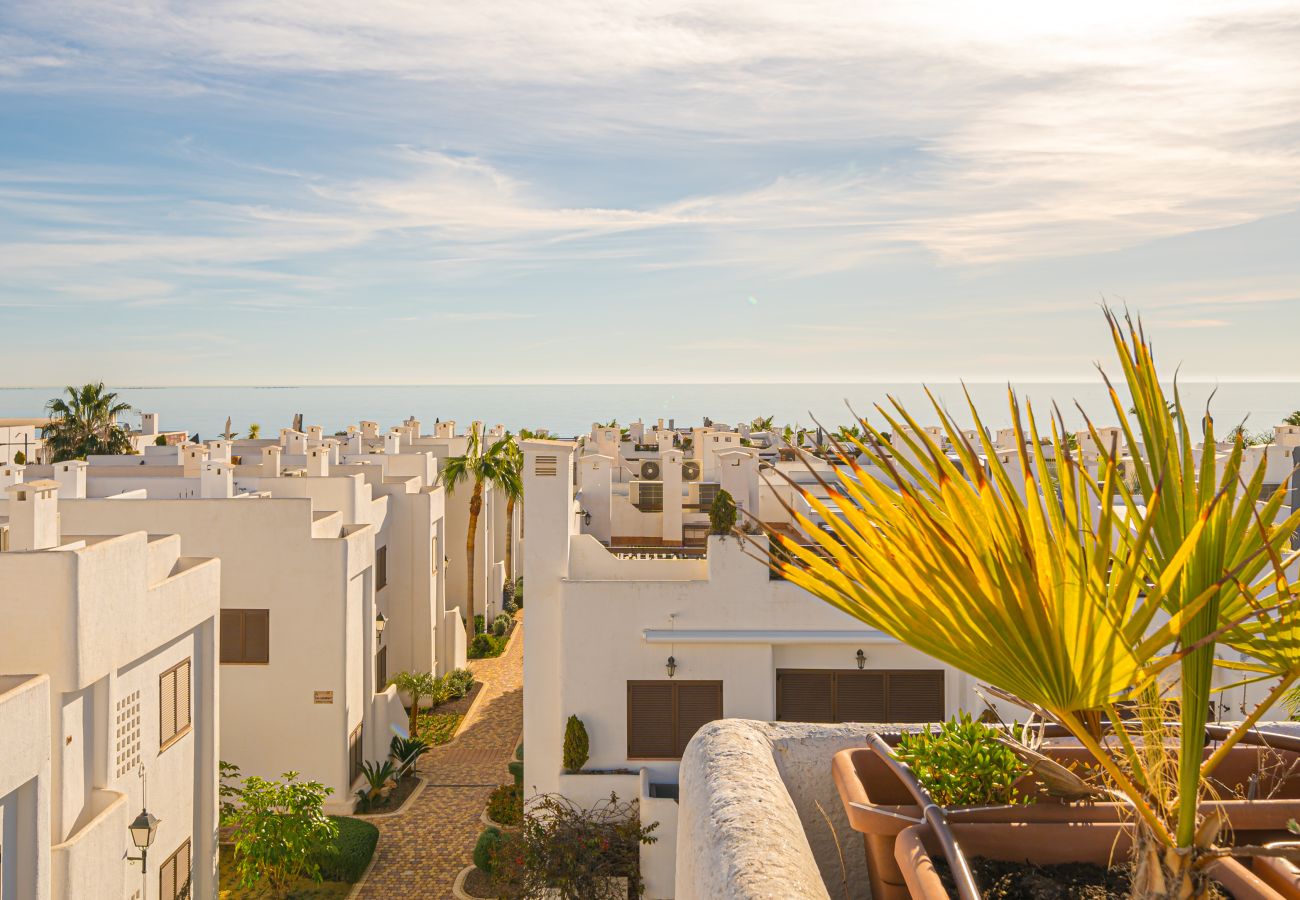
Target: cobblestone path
{"points": [[422, 849]]}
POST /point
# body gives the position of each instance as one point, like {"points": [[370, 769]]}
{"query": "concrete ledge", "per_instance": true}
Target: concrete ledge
{"points": [[749, 825]]}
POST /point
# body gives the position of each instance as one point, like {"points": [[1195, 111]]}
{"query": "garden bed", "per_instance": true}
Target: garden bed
{"points": [[480, 884], [341, 867], [460, 706], [438, 728], [1000, 880], [393, 802]]}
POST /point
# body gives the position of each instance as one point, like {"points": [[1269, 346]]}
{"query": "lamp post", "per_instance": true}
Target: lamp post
{"points": [[142, 831]]}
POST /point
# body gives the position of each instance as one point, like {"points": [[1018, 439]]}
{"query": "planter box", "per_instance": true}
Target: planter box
{"points": [[880, 807], [1045, 844]]}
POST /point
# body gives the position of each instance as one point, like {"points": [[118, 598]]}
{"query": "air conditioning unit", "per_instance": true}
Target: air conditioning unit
{"points": [[650, 470], [690, 470]]}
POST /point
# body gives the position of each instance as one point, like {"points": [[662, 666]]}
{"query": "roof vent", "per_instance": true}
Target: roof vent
{"points": [[546, 466]]}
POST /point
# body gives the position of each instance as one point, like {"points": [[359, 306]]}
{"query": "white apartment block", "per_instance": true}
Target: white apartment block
{"points": [[108, 661], [22, 436]]}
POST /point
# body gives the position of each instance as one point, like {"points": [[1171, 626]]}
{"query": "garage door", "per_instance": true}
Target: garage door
{"points": [[850, 695]]}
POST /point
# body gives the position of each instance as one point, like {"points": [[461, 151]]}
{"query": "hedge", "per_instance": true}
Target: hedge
{"points": [[347, 859]]}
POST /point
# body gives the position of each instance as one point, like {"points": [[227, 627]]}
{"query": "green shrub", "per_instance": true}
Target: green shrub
{"points": [[500, 625], [280, 831], [481, 646], [439, 728], [485, 849], [347, 856], [519, 752], [506, 804], [576, 744], [964, 764], [20, 458], [160, 441], [519, 592], [722, 514], [516, 767], [478, 624], [459, 682]]}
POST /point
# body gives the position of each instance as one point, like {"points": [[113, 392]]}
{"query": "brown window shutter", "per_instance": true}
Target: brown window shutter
{"points": [[183, 713], [381, 568], [167, 706], [805, 696], [697, 705], [860, 697], [916, 696], [232, 635], [650, 720], [257, 636], [167, 879]]}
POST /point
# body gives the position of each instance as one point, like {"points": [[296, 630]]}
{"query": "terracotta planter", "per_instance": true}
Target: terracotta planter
{"points": [[879, 806], [1045, 844]]}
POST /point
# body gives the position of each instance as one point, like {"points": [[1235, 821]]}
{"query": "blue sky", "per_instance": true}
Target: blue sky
{"points": [[237, 192]]}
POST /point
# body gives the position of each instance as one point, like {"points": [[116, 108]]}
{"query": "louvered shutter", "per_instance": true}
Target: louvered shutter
{"points": [[257, 636], [916, 696], [167, 706], [860, 697], [805, 696], [232, 635], [650, 720], [167, 879], [697, 706], [183, 714]]}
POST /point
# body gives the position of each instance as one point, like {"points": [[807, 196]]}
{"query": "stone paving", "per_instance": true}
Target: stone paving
{"points": [[423, 849]]}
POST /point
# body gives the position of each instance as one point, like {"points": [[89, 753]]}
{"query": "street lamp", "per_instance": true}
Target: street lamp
{"points": [[142, 831], [671, 666]]}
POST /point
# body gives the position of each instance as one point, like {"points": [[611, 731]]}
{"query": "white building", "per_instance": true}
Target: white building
{"points": [[121, 627], [22, 436], [646, 644]]}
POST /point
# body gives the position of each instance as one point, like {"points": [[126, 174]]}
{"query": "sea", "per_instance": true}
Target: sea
{"points": [[570, 409]]}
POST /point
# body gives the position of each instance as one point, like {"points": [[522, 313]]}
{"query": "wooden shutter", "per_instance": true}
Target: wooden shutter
{"points": [[805, 696], [381, 568], [650, 720], [183, 713], [232, 635], [916, 696], [166, 707], [381, 669], [246, 636], [860, 697], [174, 874], [356, 753], [698, 704]]}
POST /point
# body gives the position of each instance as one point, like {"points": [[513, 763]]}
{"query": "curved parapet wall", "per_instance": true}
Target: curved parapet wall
{"points": [[749, 827]]}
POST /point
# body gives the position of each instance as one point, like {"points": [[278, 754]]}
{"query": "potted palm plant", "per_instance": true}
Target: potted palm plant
{"points": [[1079, 593]]}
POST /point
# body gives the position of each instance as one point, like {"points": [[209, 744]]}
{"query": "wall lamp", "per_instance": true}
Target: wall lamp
{"points": [[586, 518], [381, 622], [671, 666], [143, 830], [861, 658]]}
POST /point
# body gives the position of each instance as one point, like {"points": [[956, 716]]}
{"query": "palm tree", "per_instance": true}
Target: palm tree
{"points": [[762, 423], [85, 423], [514, 491], [491, 465], [419, 685], [254, 431], [1076, 605], [1293, 419]]}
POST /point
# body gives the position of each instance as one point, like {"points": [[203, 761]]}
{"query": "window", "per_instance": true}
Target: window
{"points": [[173, 704], [356, 753], [852, 695], [662, 716], [174, 874], [381, 568], [246, 636], [381, 669]]}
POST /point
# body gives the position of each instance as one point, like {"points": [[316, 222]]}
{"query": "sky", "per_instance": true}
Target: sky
{"points": [[400, 191]]}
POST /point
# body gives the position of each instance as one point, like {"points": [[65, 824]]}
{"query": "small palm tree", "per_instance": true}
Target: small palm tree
{"points": [[254, 431], [1293, 419], [419, 685], [85, 423], [514, 491], [481, 465]]}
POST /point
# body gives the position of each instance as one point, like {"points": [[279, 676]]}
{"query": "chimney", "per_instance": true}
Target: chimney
{"points": [[393, 442], [670, 468], [11, 473], [413, 427], [271, 461], [220, 451], [445, 429], [331, 445], [284, 436], [354, 443], [370, 429], [315, 432], [33, 515], [318, 462], [192, 458], [148, 423], [71, 476], [215, 480], [295, 443], [636, 431]]}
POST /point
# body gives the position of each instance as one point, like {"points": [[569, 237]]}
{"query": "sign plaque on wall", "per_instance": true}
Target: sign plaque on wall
{"points": [[323, 696]]}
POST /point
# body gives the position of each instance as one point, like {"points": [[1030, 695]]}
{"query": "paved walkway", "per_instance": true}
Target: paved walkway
{"points": [[422, 850]]}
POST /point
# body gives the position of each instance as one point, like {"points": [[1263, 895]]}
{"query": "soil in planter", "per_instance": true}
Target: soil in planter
{"points": [[461, 705], [999, 880], [480, 884], [394, 800]]}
